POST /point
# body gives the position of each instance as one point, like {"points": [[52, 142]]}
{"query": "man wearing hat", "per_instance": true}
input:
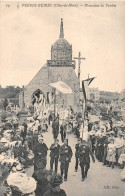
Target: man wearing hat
{"points": [[40, 150], [76, 153], [65, 153], [54, 155], [84, 157], [55, 181]]}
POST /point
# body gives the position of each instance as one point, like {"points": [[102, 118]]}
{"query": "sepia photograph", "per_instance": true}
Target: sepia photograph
{"points": [[62, 98]]}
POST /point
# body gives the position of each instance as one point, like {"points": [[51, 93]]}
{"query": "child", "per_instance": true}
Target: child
{"points": [[111, 153]]}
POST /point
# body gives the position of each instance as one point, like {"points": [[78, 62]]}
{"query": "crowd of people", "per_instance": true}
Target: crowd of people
{"points": [[106, 141], [23, 146]]}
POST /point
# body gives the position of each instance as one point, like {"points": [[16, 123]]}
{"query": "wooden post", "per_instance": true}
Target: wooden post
{"points": [[84, 118], [55, 102]]}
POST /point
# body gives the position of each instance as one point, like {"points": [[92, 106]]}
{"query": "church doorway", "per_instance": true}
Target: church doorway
{"points": [[39, 102]]}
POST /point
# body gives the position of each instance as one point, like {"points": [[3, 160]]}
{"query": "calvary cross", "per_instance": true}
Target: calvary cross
{"points": [[79, 63]]}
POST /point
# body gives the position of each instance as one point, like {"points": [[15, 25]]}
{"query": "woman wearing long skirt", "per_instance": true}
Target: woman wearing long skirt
{"points": [[111, 153]]}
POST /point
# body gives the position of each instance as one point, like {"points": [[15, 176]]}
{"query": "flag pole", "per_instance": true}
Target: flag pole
{"points": [[84, 118], [88, 81], [55, 102], [67, 135]]}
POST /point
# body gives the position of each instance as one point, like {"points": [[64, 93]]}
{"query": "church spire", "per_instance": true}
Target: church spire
{"points": [[61, 29]]}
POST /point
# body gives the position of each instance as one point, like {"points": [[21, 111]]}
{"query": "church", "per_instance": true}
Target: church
{"points": [[61, 67]]}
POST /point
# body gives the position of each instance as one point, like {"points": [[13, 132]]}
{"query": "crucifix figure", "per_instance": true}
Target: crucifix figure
{"points": [[79, 63]]}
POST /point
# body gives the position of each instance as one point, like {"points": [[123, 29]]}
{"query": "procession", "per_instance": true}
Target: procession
{"points": [[24, 147], [59, 136]]}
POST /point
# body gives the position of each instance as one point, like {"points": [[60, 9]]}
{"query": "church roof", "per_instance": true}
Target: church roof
{"points": [[61, 43]]}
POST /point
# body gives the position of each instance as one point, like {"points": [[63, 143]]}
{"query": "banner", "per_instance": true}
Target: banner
{"points": [[85, 84], [62, 87]]}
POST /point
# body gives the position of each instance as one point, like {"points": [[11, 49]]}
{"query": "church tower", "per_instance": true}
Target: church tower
{"points": [[60, 67], [61, 52]]}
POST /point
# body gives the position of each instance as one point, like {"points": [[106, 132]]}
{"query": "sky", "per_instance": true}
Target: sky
{"points": [[27, 33]]}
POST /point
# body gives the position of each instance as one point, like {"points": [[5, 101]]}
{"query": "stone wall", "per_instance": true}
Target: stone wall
{"points": [[48, 75]]}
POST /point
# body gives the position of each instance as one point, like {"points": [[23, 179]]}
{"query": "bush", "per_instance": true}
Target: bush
{"points": [[3, 116], [5, 103]]}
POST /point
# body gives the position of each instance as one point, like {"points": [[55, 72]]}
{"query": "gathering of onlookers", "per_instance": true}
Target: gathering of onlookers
{"points": [[23, 146]]}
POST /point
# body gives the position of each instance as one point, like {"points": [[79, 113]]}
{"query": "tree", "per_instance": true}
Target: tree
{"points": [[10, 92], [5, 103], [3, 116]]}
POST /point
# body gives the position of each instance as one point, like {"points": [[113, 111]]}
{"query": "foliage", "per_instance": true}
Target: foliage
{"points": [[10, 92], [3, 116], [5, 103], [14, 101]]}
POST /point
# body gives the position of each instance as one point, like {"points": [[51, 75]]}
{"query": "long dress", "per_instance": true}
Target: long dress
{"points": [[111, 153]]}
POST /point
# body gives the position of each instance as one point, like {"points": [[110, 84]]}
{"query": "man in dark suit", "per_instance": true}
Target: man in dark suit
{"points": [[84, 157], [55, 128], [65, 153], [63, 132], [54, 155], [34, 139], [55, 190], [76, 154]]}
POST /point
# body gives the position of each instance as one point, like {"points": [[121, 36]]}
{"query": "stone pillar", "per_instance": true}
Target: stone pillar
{"points": [[22, 113]]}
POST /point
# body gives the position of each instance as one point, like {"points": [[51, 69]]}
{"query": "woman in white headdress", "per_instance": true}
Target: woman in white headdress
{"points": [[21, 184]]}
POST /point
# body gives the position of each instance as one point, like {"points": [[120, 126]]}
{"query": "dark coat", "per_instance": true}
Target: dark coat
{"points": [[43, 184], [55, 127], [54, 151], [77, 149], [84, 154], [29, 141], [17, 152], [34, 140], [40, 148], [52, 193], [61, 129], [65, 153]]}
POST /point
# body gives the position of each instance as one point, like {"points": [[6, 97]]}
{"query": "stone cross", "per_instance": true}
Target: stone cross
{"points": [[79, 58]]}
